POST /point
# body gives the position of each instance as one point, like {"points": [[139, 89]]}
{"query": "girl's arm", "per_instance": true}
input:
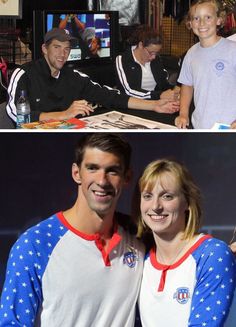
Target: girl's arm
{"points": [[186, 95]]}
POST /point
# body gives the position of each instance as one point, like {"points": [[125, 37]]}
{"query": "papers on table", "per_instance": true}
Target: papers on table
{"points": [[118, 120]]}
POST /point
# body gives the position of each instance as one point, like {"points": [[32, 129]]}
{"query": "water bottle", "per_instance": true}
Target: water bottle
{"points": [[22, 110]]}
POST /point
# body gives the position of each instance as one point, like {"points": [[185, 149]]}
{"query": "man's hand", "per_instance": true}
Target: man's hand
{"points": [[181, 122], [78, 107]]}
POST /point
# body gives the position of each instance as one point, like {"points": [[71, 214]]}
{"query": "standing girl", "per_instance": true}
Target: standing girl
{"points": [[209, 70]]}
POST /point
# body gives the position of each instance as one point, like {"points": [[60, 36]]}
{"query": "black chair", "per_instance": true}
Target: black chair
{"points": [[5, 121]]}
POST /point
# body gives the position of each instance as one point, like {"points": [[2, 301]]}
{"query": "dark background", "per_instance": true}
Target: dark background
{"points": [[35, 172], [29, 5]]}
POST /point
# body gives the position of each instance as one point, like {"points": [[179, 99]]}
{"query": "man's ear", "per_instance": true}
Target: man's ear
{"points": [[76, 173], [128, 177], [44, 49]]}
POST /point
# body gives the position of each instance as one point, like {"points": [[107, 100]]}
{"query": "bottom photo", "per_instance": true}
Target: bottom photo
{"points": [[118, 229]]}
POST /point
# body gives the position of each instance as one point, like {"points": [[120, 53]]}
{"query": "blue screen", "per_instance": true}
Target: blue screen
{"points": [[92, 32]]}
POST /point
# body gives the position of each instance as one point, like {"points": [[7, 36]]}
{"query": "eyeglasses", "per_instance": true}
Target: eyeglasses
{"points": [[151, 53]]}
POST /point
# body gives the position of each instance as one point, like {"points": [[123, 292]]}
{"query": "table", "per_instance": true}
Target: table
{"points": [[119, 120], [145, 114], [108, 120], [105, 118]]}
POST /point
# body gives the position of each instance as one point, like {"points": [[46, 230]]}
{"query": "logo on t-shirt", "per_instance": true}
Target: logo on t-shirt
{"points": [[182, 295], [130, 258], [220, 65]]}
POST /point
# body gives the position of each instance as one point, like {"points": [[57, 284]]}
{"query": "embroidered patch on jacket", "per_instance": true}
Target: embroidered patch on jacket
{"points": [[182, 295], [130, 257]]}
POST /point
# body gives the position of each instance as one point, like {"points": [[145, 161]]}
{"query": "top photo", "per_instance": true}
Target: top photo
{"points": [[118, 65]]}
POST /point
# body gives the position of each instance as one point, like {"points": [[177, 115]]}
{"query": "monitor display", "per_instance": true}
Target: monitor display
{"points": [[95, 33]]}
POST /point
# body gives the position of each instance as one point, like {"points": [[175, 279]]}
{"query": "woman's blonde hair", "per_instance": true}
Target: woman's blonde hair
{"points": [[220, 11], [187, 186]]}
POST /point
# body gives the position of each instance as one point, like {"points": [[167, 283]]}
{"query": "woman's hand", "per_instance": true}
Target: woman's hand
{"points": [[171, 95], [166, 106], [233, 248]]}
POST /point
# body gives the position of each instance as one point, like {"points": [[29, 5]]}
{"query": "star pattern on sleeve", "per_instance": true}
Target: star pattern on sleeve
{"points": [[215, 284], [22, 291]]}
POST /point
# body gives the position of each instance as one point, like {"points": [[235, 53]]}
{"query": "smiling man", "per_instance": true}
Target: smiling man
{"points": [[80, 267]]}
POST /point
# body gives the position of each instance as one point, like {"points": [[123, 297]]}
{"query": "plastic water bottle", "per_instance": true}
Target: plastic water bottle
{"points": [[22, 110]]}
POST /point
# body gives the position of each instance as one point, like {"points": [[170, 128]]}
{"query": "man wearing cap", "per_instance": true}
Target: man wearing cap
{"points": [[56, 91]]}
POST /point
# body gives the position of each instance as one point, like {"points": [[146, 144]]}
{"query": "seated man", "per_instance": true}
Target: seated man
{"points": [[139, 69], [56, 91]]}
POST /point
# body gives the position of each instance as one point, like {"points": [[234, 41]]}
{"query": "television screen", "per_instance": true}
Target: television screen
{"points": [[95, 32]]}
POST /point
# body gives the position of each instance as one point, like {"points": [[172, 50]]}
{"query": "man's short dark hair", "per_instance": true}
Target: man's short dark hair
{"points": [[107, 142]]}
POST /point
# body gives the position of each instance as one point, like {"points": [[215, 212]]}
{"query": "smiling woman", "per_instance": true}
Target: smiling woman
{"points": [[176, 274]]}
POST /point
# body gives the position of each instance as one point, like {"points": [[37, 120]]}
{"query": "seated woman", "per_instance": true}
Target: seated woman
{"points": [[189, 277], [139, 69]]}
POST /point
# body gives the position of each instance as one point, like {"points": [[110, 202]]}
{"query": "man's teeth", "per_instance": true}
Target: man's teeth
{"points": [[100, 193]]}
